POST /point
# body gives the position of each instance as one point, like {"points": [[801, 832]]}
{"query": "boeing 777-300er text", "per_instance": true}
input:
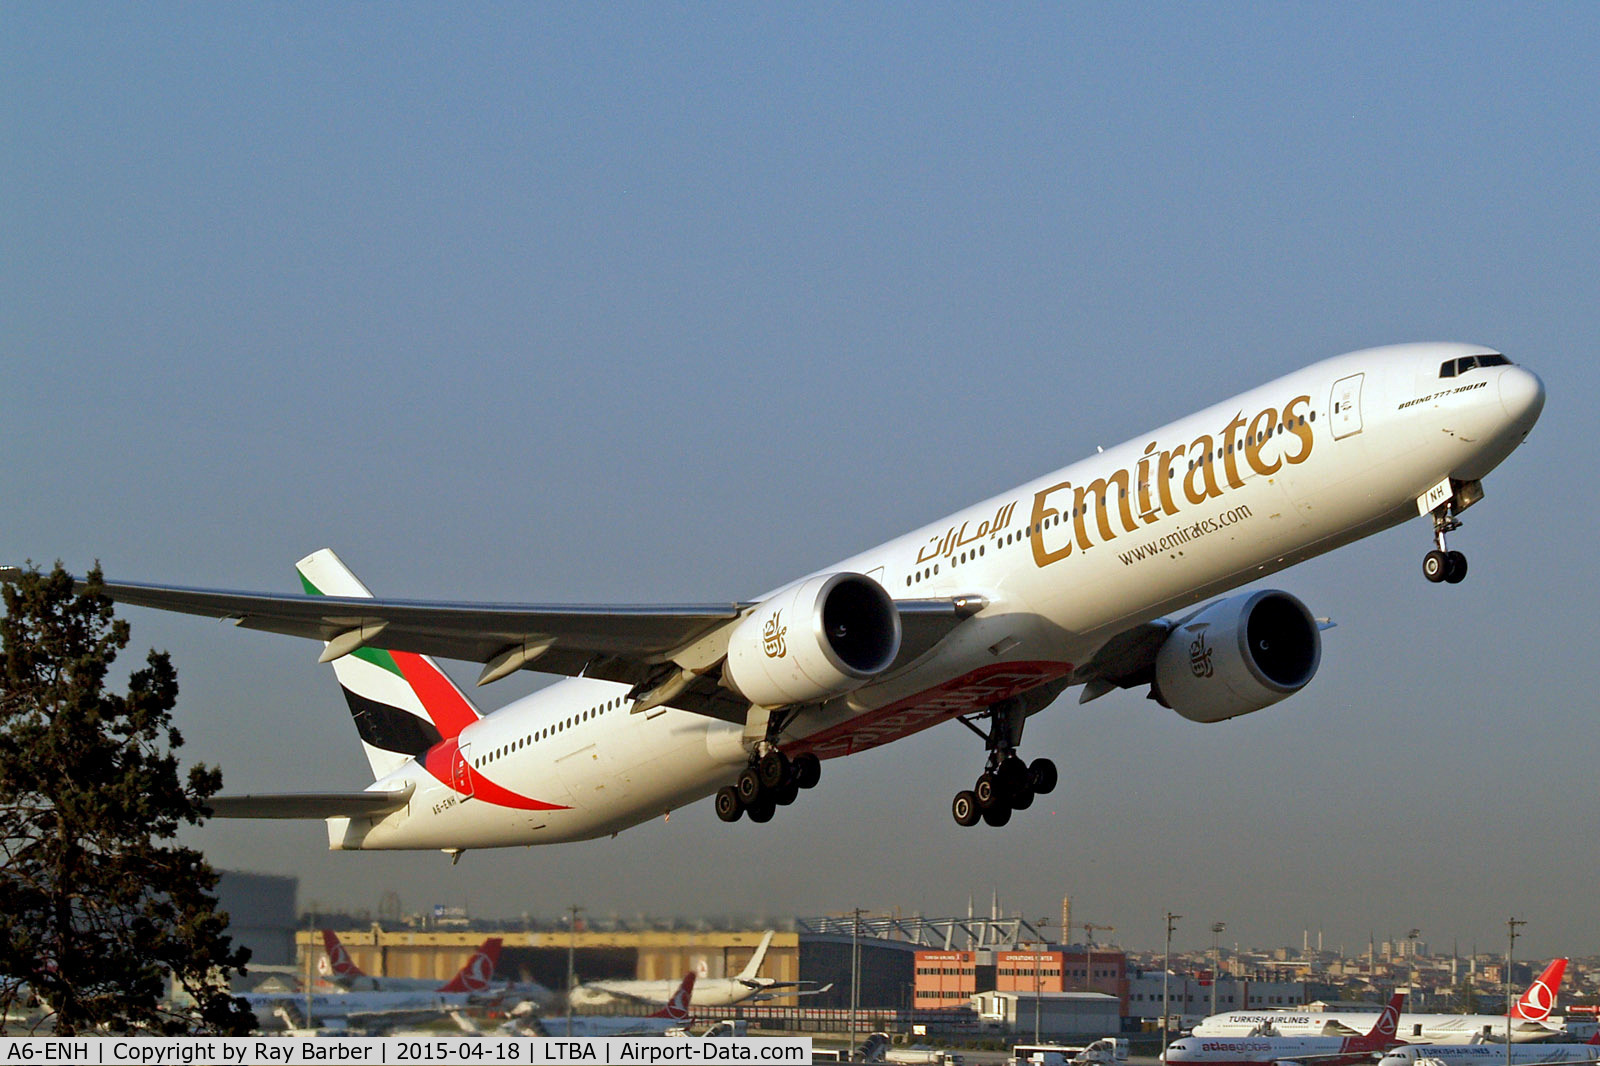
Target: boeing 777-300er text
{"points": [[1264, 1050], [1529, 1019], [1087, 576]]}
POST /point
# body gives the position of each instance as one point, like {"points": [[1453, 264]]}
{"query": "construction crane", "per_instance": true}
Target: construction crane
{"points": [[1088, 942], [1089, 930]]}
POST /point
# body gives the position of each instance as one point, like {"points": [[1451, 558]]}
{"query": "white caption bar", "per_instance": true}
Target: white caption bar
{"points": [[402, 1051]]}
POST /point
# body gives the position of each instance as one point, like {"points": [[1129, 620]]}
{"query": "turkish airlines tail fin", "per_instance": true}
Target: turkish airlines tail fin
{"points": [[753, 967], [478, 973], [677, 1008], [340, 965], [402, 703], [1540, 998], [1383, 1032]]}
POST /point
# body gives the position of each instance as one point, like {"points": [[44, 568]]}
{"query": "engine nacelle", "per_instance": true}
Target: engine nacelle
{"points": [[820, 638], [1238, 655]]}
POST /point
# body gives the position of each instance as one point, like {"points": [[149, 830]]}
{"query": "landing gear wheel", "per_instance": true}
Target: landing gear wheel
{"points": [[807, 770], [748, 788], [761, 810], [785, 793], [1022, 798], [1012, 775], [1042, 776], [773, 769], [987, 792], [728, 806], [1435, 565], [1455, 567], [965, 808], [997, 816]]}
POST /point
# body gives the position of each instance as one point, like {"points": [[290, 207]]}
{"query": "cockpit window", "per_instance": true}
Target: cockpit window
{"points": [[1451, 367]]}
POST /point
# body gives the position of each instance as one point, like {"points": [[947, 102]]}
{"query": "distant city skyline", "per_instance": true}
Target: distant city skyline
{"points": [[594, 304], [1388, 948]]}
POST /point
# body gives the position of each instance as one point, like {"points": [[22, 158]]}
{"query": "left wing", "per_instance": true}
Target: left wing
{"points": [[638, 645]]}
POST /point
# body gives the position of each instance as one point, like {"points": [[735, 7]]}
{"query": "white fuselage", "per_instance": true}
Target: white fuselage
{"points": [[708, 992], [1250, 1051], [1441, 1029], [371, 1007], [1490, 1054], [1061, 572]]}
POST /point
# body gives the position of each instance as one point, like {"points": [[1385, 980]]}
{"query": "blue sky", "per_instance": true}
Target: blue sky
{"points": [[673, 302]]}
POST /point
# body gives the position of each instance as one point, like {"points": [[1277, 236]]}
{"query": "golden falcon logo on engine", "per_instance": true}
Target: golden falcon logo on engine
{"points": [[772, 637], [1200, 657]]}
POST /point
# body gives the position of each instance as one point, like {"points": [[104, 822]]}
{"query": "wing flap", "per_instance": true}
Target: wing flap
{"points": [[310, 804]]}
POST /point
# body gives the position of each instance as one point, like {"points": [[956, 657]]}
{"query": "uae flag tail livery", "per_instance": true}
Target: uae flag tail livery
{"points": [[402, 703]]}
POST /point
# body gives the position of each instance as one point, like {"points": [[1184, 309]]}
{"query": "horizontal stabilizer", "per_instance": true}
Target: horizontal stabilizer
{"points": [[310, 804]]}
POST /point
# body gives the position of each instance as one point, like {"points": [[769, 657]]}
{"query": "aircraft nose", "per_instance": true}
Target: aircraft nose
{"points": [[1522, 395]]}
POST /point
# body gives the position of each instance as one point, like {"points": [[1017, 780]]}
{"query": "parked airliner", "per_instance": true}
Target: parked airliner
{"points": [[476, 977], [1262, 1050], [1491, 1055], [675, 1014], [389, 1006], [1087, 576], [1529, 1019], [708, 991]]}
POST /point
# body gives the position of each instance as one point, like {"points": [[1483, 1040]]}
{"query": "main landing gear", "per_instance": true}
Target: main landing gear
{"points": [[1007, 784], [1442, 564], [772, 780]]}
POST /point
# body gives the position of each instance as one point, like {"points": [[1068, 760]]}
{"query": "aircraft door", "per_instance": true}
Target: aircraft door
{"points": [[1344, 407], [461, 771]]}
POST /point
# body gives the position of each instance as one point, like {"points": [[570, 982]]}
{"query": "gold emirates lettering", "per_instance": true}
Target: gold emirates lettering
{"points": [[1131, 491]]}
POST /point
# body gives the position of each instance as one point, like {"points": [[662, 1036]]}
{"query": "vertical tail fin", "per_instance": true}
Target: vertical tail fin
{"points": [[1383, 1031], [478, 972], [1540, 998], [677, 1008], [402, 703], [340, 965], [753, 967]]}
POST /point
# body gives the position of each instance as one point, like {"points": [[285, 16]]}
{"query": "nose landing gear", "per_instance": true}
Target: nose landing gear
{"points": [[1442, 564], [1007, 783]]}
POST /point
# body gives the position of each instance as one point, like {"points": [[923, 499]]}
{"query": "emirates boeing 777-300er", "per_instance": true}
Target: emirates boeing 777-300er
{"points": [[1087, 576]]}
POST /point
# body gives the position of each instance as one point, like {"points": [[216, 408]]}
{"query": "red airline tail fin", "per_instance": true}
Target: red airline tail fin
{"points": [[339, 962], [1540, 998], [476, 975], [677, 1008], [1383, 1032], [1595, 1039]]}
